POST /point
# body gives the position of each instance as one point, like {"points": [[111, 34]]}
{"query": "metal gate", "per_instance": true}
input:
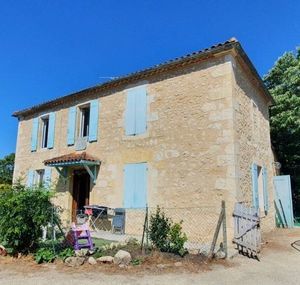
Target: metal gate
{"points": [[247, 234]]}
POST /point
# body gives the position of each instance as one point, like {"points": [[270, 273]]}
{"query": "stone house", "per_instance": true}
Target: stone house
{"points": [[186, 133]]}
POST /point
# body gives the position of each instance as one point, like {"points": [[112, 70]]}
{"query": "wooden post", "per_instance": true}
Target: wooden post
{"points": [[224, 230], [221, 218], [145, 229]]}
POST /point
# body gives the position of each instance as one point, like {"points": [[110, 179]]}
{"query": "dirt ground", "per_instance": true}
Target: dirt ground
{"points": [[279, 264]]}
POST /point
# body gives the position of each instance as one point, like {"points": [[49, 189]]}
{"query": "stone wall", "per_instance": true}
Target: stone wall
{"points": [[196, 144], [252, 138]]}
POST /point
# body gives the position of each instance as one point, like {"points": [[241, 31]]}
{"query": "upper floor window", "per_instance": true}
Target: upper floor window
{"points": [[84, 121], [45, 131], [136, 111]]}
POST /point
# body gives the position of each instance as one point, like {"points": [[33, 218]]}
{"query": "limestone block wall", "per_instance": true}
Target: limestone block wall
{"points": [[252, 138], [199, 144], [188, 144]]}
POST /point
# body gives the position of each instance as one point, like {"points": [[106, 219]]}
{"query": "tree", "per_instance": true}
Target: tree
{"points": [[7, 169], [283, 82]]}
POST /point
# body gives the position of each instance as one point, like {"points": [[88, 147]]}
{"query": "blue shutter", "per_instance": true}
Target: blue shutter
{"points": [[283, 193], [140, 194], [51, 131], [130, 113], [34, 134], [94, 115], [140, 110], [47, 177], [129, 185], [265, 189], [71, 126], [255, 200], [135, 184], [30, 178]]}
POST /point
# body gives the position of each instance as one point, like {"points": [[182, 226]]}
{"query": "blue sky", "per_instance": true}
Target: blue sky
{"points": [[51, 48]]}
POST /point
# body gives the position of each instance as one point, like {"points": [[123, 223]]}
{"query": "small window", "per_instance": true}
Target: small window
{"points": [[45, 131], [261, 202], [39, 177], [84, 121]]}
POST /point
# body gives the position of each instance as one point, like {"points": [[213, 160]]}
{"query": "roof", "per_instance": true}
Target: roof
{"points": [[191, 58], [72, 158]]}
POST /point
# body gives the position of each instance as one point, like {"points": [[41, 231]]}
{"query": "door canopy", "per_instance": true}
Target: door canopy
{"points": [[61, 163]]}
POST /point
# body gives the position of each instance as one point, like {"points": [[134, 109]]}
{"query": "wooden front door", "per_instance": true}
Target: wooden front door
{"points": [[81, 192]]}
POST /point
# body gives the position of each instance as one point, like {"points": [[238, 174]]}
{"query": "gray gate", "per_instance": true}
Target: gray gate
{"points": [[247, 235]]}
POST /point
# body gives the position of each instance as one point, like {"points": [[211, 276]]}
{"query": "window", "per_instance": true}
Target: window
{"points": [[136, 111], [135, 185], [39, 177], [260, 188], [45, 131], [84, 121]]}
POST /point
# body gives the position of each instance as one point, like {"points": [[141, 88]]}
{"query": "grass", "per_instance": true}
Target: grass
{"points": [[99, 242]]}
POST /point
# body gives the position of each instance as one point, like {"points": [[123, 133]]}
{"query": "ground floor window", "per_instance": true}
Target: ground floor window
{"points": [[135, 185], [39, 177], [260, 188]]}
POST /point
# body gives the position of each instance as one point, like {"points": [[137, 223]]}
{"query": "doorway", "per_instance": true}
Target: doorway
{"points": [[81, 192]]}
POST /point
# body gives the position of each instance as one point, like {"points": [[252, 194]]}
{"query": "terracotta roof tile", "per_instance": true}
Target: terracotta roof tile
{"points": [[72, 157]]}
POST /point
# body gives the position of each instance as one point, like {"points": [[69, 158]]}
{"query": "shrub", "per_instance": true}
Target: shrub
{"points": [[23, 212], [66, 252], [166, 235], [5, 187], [159, 230], [44, 255], [177, 239]]}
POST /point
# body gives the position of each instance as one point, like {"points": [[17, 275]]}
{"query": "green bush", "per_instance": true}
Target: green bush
{"points": [[23, 212], [48, 251], [159, 229], [66, 252], [177, 239], [5, 187], [166, 235], [44, 255]]}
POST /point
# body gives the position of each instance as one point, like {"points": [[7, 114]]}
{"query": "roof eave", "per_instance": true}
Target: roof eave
{"points": [[253, 70], [152, 71], [127, 79]]}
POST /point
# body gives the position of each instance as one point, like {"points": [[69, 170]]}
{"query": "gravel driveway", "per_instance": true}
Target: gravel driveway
{"points": [[279, 264]]}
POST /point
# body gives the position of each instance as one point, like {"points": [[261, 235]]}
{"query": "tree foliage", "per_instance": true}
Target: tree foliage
{"points": [[283, 82], [23, 212], [7, 169]]}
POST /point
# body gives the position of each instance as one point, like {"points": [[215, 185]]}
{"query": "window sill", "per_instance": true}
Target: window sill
{"points": [[135, 137]]}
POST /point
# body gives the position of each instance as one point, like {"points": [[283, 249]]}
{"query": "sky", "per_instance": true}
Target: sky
{"points": [[52, 48]]}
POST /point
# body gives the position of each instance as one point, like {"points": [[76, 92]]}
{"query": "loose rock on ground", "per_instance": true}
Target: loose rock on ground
{"points": [[74, 261], [122, 257], [105, 259]]}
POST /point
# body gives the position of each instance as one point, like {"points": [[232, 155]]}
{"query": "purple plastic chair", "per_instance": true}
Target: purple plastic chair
{"points": [[82, 233]]}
